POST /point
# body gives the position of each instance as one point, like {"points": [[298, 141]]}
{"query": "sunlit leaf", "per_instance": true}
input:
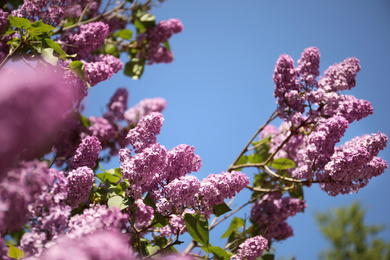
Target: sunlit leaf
{"points": [[197, 228], [14, 252], [18, 22], [234, 225], [124, 34], [283, 164]]}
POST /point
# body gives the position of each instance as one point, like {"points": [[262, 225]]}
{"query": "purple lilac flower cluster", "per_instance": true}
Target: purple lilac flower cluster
{"points": [[80, 182], [34, 10], [143, 215], [163, 173], [116, 246], [252, 248], [87, 153], [34, 101], [96, 218], [157, 35], [176, 224], [20, 187], [89, 37], [271, 213], [3, 20], [313, 143], [144, 108]]}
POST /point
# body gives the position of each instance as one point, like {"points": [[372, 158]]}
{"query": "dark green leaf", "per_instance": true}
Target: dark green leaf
{"points": [[283, 164], [134, 68], [297, 193], [220, 209], [124, 34], [219, 253], [268, 257], [148, 201], [148, 20], [160, 218], [18, 22], [234, 225], [197, 228], [14, 252]]}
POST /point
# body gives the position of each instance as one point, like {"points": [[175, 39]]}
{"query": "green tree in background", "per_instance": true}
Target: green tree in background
{"points": [[350, 237]]}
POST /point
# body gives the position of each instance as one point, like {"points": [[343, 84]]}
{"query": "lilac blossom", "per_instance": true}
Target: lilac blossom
{"points": [[117, 105], [287, 88], [34, 10], [80, 182], [87, 153], [116, 246], [309, 64], [145, 170], [96, 218], [157, 35], [144, 134], [143, 215], [347, 106], [218, 187], [179, 194], [340, 76], [90, 37], [176, 224], [353, 165], [36, 101], [281, 231], [49, 209], [3, 20], [33, 243], [21, 187], [100, 68], [182, 160], [3, 250], [101, 128], [144, 108], [272, 210], [252, 248]]}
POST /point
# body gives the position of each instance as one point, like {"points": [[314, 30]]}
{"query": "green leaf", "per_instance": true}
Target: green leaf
{"points": [[140, 27], [57, 48], [111, 49], [166, 45], [40, 27], [219, 253], [85, 121], [152, 249], [18, 22], [124, 34], [107, 176], [148, 20], [268, 257], [220, 209], [47, 54], [197, 228], [78, 68], [243, 160], [297, 192], [119, 202], [255, 158], [14, 252], [234, 225], [160, 218], [283, 164], [134, 68], [148, 201]]}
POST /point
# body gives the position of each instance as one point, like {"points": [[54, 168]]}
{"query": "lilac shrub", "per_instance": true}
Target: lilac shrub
{"points": [[252, 248]]}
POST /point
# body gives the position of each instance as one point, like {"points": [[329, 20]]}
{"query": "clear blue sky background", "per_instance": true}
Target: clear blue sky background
{"points": [[219, 87]]}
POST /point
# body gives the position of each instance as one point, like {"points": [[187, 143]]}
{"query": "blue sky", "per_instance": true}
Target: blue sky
{"points": [[219, 87]]}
